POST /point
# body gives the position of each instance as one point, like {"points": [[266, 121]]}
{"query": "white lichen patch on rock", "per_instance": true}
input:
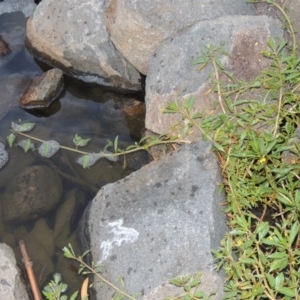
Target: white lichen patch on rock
{"points": [[121, 235]]}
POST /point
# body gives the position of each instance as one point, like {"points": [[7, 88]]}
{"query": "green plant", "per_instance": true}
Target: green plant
{"points": [[94, 269], [253, 139], [190, 284], [50, 147], [55, 288]]}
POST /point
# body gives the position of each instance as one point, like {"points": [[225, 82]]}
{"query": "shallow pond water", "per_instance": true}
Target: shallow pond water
{"points": [[88, 110]]}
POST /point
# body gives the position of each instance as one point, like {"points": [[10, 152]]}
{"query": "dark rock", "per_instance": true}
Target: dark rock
{"points": [[43, 90], [32, 193], [150, 226]]}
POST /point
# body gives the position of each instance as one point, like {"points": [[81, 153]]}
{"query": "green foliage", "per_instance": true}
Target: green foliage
{"points": [[260, 254], [94, 269], [55, 288], [49, 148], [190, 284], [79, 141]]}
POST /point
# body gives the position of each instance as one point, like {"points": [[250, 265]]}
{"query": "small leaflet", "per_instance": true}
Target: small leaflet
{"points": [[11, 138], [22, 127], [79, 141], [26, 145], [3, 155], [49, 148], [88, 160]]}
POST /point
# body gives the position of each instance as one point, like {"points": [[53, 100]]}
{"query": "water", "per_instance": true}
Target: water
{"points": [[88, 110]]}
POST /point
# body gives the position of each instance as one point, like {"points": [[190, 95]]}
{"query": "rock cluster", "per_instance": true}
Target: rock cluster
{"points": [[163, 220]]}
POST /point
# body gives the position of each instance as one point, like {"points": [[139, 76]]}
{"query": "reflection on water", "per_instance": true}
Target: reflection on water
{"points": [[88, 110]]}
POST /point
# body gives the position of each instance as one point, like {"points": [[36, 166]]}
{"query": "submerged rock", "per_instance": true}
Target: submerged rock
{"points": [[31, 194], [4, 48], [43, 90]]}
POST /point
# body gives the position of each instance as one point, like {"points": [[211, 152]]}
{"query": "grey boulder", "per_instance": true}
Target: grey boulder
{"points": [[138, 27], [171, 74], [72, 35], [11, 285], [159, 222]]}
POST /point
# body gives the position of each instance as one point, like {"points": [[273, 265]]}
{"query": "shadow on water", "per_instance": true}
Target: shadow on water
{"points": [[89, 110]]}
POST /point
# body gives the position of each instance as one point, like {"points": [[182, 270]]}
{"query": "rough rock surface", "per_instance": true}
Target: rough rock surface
{"points": [[72, 36], [171, 74], [159, 222], [291, 7], [43, 90], [30, 194], [137, 27], [11, 285]]}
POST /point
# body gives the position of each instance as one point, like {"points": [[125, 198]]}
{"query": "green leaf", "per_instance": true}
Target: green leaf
{"points": [[278, 255], [74, 295], [194, 283], [271, 280], [230, 295], [199, 295], [27, 145], [197, 116], [79, 141], [294, 232], [189, 103], [249, 261], [46, 149], [279, 280], [262, 230], [175, 282], [279, 264], [22, 127], [11, 138], [67, 252], [85, 160], [286, 291]]}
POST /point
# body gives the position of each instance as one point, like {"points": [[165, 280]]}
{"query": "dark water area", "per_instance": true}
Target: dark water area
{"points": [[89, 110]]}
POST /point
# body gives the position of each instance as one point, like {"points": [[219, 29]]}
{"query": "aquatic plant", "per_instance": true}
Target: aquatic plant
{"points": [[48, 148]]}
